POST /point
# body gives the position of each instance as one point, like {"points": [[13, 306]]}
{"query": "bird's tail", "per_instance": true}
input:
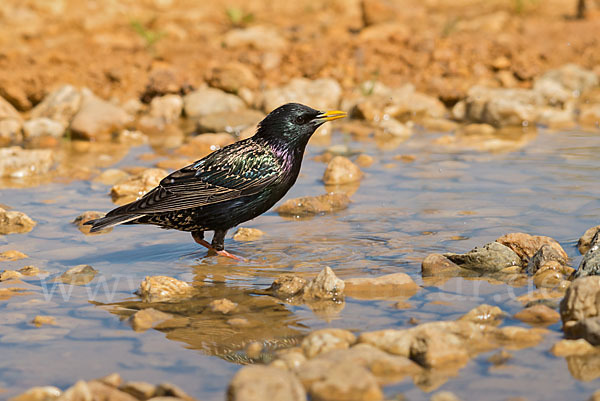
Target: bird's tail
{"points": [[110, 221]]}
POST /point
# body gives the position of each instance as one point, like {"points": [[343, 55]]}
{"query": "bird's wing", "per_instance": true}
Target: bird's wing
{"points": [[230, 173]]}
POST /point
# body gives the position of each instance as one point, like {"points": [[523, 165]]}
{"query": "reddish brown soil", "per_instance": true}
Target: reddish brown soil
{"points": [[442, 46]]}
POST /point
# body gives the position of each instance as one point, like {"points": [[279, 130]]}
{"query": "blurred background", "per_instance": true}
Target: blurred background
{"points": [[443, 47]]}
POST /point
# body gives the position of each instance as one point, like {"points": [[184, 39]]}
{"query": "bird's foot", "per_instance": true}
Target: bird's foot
{"points": [[222, 252], [231, 255]]}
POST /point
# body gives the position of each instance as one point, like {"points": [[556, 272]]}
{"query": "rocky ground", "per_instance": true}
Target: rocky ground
{"points": [[82, 82], [131, 48]]}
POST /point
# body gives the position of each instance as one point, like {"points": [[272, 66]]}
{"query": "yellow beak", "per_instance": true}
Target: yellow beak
{"points": [[331, 115]]}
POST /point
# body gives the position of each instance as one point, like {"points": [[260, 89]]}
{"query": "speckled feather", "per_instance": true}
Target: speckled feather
{"points": [[229, 186]]}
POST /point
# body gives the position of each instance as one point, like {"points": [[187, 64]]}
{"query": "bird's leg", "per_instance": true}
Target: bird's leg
{"points": [[218, 244], [198, 236], [218, 241]]}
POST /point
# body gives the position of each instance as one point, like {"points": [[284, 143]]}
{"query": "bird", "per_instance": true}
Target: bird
{"points": [[231, 185]]}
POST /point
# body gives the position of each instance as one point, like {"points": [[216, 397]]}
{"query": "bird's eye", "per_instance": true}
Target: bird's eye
{"points": [[303, 119]]}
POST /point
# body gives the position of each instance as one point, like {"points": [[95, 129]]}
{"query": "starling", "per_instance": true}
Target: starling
{"points": [[231, 185]]}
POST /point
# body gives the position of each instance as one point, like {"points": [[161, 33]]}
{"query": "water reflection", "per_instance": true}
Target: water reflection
{"points": [[584, 367], [255, 319]]}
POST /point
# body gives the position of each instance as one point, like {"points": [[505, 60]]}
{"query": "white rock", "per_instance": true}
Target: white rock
{"points": [[167, 107], [206, 101], [97, 117], [42, 126], [502, 107], [322, 94], [60, 105]]}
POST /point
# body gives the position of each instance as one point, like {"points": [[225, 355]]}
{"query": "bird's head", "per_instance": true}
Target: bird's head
{"points": [[293, 124]]}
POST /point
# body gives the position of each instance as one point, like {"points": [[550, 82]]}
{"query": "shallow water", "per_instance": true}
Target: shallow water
{"points": [[446, 200]]}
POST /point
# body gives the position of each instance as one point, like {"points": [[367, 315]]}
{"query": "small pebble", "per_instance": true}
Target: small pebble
{"points": [[254, 349], [39, 321], [340, 170], [12, 255], [406, 158], [145, 319], [364, 160], [500, 358], [78, 275], [247, 234], [223, 306], [163, 288]]}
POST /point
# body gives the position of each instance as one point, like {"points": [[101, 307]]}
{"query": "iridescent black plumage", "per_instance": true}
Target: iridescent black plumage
{"points": [[231, 185]]}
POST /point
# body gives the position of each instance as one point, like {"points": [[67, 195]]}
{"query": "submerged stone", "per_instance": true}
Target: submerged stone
{"points": [[381, 287], [223, 306], [39, 321], [145, 319], [538, 314], [247, 234], [78, 275]]}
